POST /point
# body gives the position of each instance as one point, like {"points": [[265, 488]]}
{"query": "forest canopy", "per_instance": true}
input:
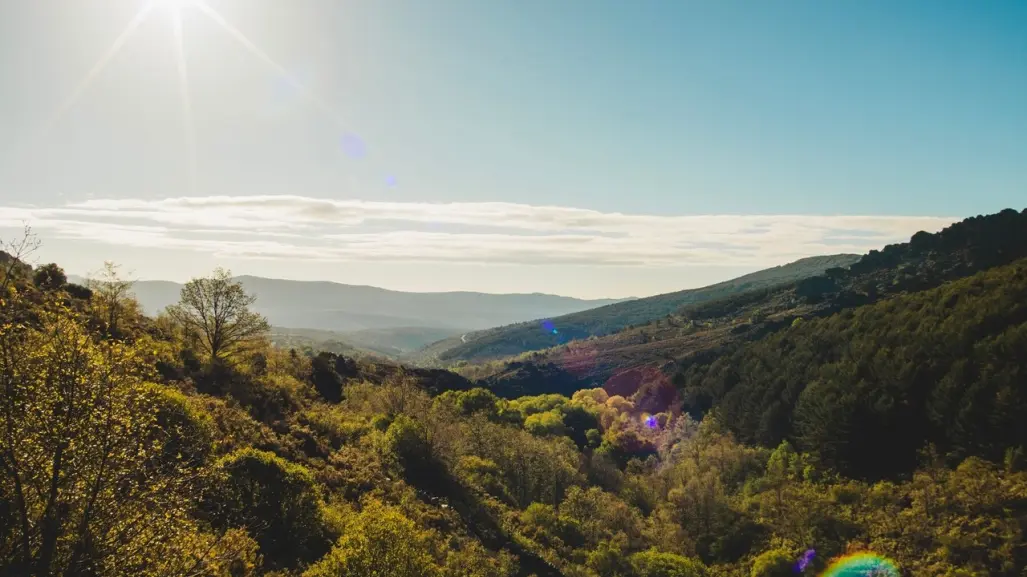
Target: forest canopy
{"points": [[132, 445]]}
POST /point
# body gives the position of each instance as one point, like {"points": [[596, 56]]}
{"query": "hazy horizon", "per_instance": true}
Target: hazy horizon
{"points": [[592, 150], [129, 275]]}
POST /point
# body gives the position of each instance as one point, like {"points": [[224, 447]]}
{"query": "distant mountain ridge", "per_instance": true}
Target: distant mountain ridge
{"points": [[331, 306], [528, 336]]}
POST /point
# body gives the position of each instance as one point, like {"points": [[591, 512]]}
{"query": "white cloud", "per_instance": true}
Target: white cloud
{"points": [[294, 227]]}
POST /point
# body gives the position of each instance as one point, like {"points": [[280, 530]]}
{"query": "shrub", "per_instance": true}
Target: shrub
{"points": [[653, 563], [380, 541], [773, 563], [276, 500]]}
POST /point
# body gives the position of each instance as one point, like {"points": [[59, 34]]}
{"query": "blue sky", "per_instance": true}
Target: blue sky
{"points": [[618, 136]]}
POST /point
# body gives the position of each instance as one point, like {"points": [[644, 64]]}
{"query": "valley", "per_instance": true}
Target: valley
{"points": [[873, 403]]}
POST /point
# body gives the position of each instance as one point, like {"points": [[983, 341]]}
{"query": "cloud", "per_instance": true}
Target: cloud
{"points": [[302, 228]]}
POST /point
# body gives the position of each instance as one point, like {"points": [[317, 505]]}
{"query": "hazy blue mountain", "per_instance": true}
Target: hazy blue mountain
{"points": [[346, 308]]}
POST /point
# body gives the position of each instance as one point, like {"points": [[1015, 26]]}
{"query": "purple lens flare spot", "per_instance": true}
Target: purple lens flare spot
{"points": [[353, 146], [805, 560]]}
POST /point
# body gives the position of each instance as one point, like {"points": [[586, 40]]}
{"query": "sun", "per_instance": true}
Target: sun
{"points": [[174, 9], [174, 5]]}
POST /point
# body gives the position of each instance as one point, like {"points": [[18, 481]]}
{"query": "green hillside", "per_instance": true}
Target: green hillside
{"points": [[868, 387], [132, 445], [529, 336], [624, 361]]}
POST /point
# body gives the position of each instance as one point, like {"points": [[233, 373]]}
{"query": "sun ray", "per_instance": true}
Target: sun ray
{"points": [[95, 71], [187, 107], [278, 68]]}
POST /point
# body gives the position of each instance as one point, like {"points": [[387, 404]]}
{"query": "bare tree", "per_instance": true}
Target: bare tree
{"points": [[12, 256], [215, 311], [111, 297]]}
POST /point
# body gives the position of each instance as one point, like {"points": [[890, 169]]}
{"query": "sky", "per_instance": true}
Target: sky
{"points": [[591, 148]]}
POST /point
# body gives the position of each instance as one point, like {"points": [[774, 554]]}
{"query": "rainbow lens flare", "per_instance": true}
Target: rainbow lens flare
{"points": [[861, 565]]}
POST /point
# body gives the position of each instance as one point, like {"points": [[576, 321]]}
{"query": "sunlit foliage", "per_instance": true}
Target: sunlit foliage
{"points": [[137, 446]]}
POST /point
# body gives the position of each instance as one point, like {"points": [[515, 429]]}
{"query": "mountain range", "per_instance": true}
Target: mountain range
{"points": [[386, 321]]}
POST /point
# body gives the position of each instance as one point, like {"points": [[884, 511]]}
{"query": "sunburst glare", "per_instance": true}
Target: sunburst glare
{"points": [[174, 10], [183, 86], [95, 71], [278, 68]]}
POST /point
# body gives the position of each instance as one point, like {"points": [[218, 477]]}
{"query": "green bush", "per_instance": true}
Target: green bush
{"points": [[773, 563], [379, 542], [277, 501], [653, 563], [187, 430]]}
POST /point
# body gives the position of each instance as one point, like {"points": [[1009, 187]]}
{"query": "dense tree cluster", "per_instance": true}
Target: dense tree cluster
{"points": [[867, 388]]}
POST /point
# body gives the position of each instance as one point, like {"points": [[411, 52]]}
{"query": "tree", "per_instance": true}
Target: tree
{"points": [[111, 299], [410, 442], [12, 257], [85, 485], [215, 311], [773, 563], [379, 541], [324, 377], [542, 424], [477, 400], [653, 563], [278, 501], [49, 277]]}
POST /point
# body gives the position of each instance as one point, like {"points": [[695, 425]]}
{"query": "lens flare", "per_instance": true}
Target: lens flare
{"points": [[805, 560], [861, 565], [353, 146]]}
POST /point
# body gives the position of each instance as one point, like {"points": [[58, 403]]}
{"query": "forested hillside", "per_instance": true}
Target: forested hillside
{"points": [[868, 387], [698, 333], [530, 336], [187, 445]]}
